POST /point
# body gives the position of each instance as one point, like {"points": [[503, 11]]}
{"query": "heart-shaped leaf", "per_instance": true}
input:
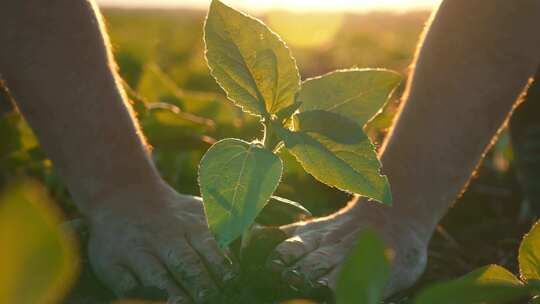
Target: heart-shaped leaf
{"points": [[357, 94], [489, 284], [236, 179], [249, 61], [529, 256], [336, 151]]}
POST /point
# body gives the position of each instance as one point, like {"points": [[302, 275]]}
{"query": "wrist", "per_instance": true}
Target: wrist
{"points": [[384, 216], [119, 196]]}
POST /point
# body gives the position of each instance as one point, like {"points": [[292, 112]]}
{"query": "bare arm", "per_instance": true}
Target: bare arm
{"points": [[57, 64], [473, 65], [60, 71], [474, 61]]}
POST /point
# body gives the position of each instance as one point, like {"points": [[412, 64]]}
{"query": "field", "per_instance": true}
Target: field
{"points": [[182, 112]]}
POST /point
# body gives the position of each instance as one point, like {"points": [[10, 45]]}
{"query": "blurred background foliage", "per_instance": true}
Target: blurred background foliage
{"points": [[182, 112]]}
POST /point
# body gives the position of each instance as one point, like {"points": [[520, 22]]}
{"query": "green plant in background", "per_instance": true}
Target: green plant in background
{"points": [[493, 283], [38, 261], [367, 269], [319, 121]]}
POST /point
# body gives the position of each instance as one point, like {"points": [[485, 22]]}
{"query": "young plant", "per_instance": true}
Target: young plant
{"points": [[319, 121]]}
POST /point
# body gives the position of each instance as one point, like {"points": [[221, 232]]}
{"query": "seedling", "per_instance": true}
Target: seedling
{"points": [[319, 121]]}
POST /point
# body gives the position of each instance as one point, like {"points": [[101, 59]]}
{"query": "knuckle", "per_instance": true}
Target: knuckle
{"points": [[191, 261], [294, 245], [158, 278]]}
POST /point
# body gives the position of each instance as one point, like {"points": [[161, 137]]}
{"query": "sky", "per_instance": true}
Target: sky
{"points": [[294, 5]]}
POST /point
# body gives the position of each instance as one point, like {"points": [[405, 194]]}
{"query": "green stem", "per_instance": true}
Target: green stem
{"points": [[268, 134]]}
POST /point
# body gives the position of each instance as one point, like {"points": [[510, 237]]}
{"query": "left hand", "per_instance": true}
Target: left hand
{"points": [[157, 239]]}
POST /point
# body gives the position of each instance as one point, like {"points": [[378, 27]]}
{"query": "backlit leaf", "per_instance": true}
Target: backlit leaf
{"points": [[282, 211], [37, 260], [529, 256], [336, 151], [249, 61], [365, 272], [489, 284], [236, 178], [356, 94]]}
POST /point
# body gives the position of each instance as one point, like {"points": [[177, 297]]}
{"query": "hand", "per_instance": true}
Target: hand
{"points": [[157, 239], [312, 255]]}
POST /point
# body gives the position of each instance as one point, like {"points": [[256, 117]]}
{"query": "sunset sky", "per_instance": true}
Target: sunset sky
{"points": [[295, 5]]}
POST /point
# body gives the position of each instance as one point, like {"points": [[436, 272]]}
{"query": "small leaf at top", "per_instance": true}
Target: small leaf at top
{"points": [[336, 151], [249, 61], [529, 256], [365, 272], [236, 178], [357, 94], [488, 284]]}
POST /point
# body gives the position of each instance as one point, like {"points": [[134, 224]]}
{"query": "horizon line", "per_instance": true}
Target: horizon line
{"points": [[107, 4]]}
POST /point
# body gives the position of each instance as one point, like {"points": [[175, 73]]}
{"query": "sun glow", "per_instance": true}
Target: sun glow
{"points": [[294, 5]]}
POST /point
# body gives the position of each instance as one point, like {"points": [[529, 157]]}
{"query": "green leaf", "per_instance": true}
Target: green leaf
{"points": [[365, 272], [336, 151], [489, 284], [529, 256], [236, 178], [281, 211], [355, 94], [287, 203], [249, 61], [38, 261]]}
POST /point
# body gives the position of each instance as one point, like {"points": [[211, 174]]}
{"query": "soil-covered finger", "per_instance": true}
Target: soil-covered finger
{"points": [[152, 273], [218, 262], [187, 267]]}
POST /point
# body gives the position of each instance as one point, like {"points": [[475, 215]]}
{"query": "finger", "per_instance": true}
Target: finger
{"points": [[292, 250], [312, 267], [188, 269], [152, 273], [118, 278], [219, 264], [290, 229], [323, 288], [329, 280]]}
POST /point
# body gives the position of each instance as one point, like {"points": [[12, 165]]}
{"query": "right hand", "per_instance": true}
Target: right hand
{"points": [[313, 252]]}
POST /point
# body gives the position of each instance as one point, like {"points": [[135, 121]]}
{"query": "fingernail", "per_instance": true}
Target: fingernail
{"points": [[205, 295], [322, 283], [230, 278], [294, 278], [276, 265]]}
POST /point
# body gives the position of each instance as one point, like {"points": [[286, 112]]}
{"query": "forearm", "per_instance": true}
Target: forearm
{"points": [[472, 66], [58, 67]]}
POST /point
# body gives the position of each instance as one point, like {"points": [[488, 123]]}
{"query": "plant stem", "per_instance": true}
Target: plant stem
{"points": [[268, 134]]}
